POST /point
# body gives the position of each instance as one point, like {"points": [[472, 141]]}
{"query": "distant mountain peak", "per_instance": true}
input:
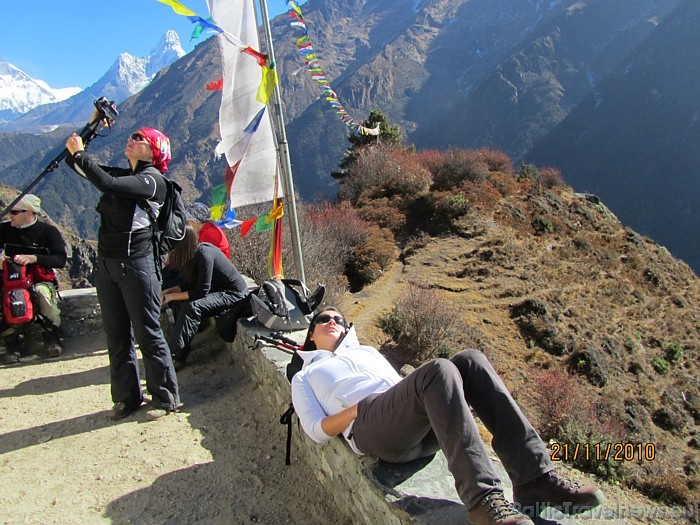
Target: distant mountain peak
{"points": [[20, 93], [32, 106], [167, 51]]}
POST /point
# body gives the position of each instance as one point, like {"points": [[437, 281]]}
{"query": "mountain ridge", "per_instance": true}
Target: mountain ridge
{"points": [[127, 75]]}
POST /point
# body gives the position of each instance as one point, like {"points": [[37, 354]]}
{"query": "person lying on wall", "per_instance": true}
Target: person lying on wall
{"points": [[348, 388], [211, 286]]}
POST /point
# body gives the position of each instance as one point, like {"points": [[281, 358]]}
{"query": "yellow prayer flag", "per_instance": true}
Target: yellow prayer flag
{"points": [[267, 85], [276, 213], [217, 212], [178, 8]]}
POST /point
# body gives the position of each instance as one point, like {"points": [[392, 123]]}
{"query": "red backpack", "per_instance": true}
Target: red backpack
{"points": [[17, 307]]}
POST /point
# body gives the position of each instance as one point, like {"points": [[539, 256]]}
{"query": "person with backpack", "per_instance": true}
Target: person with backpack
{"points": [[212, 285], [38, 247], [347, 388], [127, 273]]}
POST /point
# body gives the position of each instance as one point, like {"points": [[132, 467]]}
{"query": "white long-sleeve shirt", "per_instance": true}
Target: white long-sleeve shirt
{"points": [[330, 382]]}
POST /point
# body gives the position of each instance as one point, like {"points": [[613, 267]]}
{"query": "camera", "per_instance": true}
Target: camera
{"points": [[107, 108]]}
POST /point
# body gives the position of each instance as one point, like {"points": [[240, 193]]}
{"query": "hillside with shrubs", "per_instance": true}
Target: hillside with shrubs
{"points": [[593, 327]]}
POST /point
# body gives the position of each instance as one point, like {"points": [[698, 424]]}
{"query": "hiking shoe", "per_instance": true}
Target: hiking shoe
{"points": [[11, 358], [52, 344], [157, 413], [495, 509], [120, 410], [556, 491], [54, 350]]}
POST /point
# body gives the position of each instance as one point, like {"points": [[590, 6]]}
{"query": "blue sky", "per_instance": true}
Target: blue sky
{"points": [[73, 42]]}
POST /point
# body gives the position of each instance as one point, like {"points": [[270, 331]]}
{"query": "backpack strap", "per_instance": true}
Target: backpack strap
{"points": [[286, 419], [155, 229]]}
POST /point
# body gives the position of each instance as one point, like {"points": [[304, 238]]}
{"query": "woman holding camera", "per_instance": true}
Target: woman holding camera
{"points": [[127, 272], [212, 286], [351, 389]]}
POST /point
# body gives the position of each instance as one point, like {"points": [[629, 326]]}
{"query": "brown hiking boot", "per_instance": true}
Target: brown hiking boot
{"points": [[495, 509], [556, 491]]}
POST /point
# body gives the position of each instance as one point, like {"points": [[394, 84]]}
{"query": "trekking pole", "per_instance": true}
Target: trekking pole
{"points": [[283, 338], [285, 347], [107, 111], [262, 344]]}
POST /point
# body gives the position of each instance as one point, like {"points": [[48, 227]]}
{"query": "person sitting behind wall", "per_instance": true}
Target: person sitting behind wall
{"points": [[212, 286], [351, 389], [44, 249]]}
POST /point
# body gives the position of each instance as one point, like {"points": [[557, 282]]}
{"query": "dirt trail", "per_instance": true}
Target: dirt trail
{"points": [[219, 461], [365, 307]]}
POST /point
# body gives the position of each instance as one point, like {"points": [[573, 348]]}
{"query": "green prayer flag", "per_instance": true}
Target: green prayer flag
{"points": [[218, 195], [261, 225]]}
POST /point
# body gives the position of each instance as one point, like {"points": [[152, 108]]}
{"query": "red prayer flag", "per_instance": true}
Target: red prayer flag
{"points": [[259, 57], [247, 225], [216, 86]]}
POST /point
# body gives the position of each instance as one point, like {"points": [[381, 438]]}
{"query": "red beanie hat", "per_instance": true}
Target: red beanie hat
{"points": [[160, 146]]}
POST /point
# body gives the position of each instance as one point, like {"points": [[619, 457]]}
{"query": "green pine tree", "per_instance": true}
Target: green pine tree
{"points": [[389, 134]]}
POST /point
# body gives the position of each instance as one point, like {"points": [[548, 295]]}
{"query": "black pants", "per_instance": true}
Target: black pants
{"points": [[192, 312], [129, 294]]}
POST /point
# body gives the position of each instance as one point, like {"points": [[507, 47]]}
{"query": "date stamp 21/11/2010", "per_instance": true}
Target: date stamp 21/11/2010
{"points": [[571, 452]]}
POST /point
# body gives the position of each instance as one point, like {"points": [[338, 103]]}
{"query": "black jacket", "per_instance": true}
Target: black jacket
{"points": [[214, 272], [38, 235], [125, 228]]}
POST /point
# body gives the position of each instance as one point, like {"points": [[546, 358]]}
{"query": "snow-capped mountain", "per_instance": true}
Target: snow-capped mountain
{"points": [[127, 76], [20, 93]]}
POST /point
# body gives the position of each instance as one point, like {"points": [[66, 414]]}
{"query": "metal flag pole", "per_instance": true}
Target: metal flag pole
{"points": [[286, 165]]}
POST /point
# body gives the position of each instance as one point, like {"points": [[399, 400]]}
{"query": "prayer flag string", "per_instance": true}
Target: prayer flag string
{"points": [[306, 49]]}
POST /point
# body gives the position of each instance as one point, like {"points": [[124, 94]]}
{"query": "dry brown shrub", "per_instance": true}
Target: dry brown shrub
{"points": [[558, 399], [483, 194], [444, 207], [422, 325], [383, 214], [369, 259], [430, 159], [457, 167], [496, 161], [550, 177], [328, 235], [661, 483], [566, 411], [504, 183], [381, 171]]}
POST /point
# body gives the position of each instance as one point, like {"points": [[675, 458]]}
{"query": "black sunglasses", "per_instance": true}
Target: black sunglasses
{"points": [[17, 212], [326, 318], [137, 137]]}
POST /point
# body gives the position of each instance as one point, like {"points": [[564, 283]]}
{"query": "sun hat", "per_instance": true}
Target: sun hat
{"points": [[29, 202]]}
